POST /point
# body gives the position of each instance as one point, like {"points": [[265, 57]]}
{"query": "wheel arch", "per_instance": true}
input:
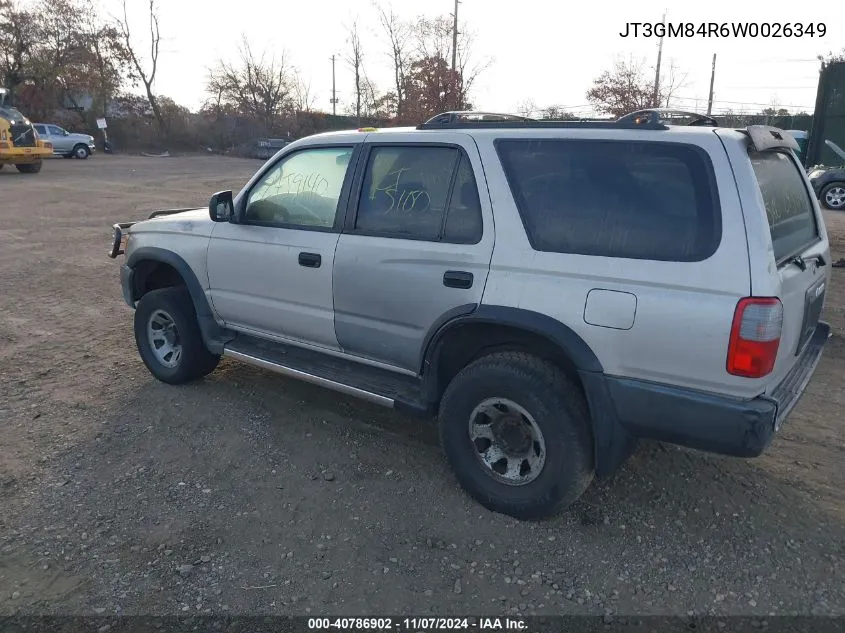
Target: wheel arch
{"points": [[491, 328], [147, 261]]}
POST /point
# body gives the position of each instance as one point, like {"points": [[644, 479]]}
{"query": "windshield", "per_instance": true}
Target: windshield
{"points": [[11, 113]]}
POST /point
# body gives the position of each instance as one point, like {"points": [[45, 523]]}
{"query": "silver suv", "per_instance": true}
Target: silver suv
{"points": [[553, 291]]}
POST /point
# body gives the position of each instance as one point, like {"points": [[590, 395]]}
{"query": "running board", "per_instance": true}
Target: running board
{"points": [[373, 384]]}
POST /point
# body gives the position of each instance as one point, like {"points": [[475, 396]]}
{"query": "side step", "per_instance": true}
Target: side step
{"points": [[374, 384]]}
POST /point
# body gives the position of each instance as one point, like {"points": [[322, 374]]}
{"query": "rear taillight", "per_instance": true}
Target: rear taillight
{"points": [[755, 337]]}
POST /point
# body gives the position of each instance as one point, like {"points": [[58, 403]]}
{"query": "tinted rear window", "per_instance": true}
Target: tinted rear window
{"points": [[629, 199], [789, 207]]}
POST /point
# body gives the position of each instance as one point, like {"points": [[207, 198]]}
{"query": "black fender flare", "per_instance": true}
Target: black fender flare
{"points": [[213, 335], [535, 322]]}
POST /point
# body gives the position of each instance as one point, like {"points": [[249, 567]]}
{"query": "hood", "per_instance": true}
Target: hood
{"points": [[193, 222], [76, 136]]}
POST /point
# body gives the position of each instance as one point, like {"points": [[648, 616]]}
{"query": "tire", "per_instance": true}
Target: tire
{"points": [[29, 168], [81, 151], [832, 196], [174, 306], [558, 410]]}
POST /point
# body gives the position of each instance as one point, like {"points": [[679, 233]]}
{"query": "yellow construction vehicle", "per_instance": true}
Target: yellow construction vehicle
{"points": [[19, 142]]}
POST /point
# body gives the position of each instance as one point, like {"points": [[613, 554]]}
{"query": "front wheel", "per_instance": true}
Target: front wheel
{"points": [[81, 151], [29, 168], [516, 433], [833, 196], [168, 337]]}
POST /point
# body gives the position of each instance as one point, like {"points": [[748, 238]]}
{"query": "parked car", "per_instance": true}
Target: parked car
{"points": [[67, 144], [552, 291], [829, 186], [265, 148]]}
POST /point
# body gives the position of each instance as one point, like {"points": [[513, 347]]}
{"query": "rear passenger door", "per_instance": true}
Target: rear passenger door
{"points": [[416, 246]]}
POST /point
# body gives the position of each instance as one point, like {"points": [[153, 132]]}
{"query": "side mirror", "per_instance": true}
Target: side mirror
{"points": [[221, 207]]}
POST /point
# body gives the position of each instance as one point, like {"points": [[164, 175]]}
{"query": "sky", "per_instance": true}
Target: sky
{"points": [[544, 51]]}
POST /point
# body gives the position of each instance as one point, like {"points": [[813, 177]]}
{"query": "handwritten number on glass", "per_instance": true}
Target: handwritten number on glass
{"points": [[402, 199]]}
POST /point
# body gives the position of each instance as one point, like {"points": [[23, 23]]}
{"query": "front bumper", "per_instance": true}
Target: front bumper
{"points": [[712, 423], [23, 155]]}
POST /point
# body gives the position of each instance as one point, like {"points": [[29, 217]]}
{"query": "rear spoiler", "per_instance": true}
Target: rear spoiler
{"points": [[766, 137]]}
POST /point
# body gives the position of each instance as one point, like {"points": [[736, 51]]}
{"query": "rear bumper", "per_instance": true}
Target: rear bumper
{"points": [[712, 423]]}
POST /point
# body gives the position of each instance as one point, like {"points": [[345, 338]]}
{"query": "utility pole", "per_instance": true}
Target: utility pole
{"points": [[455, 39], [712, 78], [656, 92], [334, 91]]}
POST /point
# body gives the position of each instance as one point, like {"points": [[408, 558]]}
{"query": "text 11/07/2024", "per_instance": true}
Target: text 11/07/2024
{"points": [[724, 29]]}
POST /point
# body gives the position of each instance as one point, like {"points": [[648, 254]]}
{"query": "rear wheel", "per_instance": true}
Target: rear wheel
{"points": [[81, 151], [833, 196], [168, 336], [515, 431], [29, 168]]}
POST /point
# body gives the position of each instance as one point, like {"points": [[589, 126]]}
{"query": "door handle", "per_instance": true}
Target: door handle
{"points": [[310, 260], [457, 279]]}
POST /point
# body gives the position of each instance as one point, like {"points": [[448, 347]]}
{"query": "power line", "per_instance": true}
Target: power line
{"points": [[780, 105]]}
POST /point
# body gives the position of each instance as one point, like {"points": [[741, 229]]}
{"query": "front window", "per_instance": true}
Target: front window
{"points": [[302, 190]]}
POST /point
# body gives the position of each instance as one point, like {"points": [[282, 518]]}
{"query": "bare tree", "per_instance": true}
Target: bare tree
{"points": [[147, 77], [303, 98], [398, 34], [355, 59], [258, 87], [527, 108], [674, 80]]}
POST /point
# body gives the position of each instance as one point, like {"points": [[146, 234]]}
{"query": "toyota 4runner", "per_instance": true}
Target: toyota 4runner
{"points": [[553, 291]]}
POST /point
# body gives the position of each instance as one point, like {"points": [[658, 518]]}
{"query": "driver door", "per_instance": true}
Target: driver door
{"points": [[271, 273]]}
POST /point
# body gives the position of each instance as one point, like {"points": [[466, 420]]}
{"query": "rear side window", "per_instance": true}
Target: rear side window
{"points": [[631, 199], [420, 192], [789, 209]]}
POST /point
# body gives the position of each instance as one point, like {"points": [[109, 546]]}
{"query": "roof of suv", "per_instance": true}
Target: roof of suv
{"points": [[656, 119], [467, 121]]}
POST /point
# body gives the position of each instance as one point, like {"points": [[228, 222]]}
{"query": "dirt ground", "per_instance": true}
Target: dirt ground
{"points": [[250, 493]]}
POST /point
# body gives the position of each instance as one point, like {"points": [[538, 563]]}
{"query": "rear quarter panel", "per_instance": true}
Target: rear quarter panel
{"points": [[683, 311]]}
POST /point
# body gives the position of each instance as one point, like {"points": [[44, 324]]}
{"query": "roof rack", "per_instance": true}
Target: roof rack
{"points": [[469, 117], [652, 119], [657, 116]]}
